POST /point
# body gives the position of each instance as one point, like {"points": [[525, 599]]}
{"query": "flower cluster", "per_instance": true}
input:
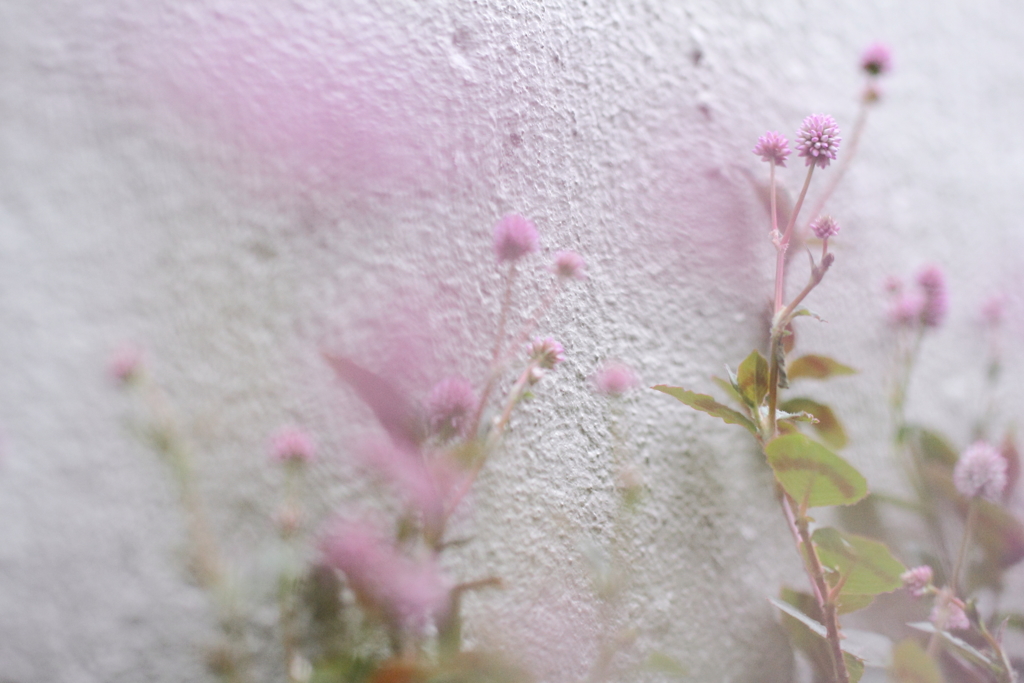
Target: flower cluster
{"points": [[980, 472]]}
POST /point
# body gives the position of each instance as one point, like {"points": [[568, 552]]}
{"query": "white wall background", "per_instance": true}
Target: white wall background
{"points": [[238, 186]]}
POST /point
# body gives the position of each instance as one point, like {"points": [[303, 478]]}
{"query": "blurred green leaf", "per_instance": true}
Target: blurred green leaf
{"points": [[961, 647], [828, 426], [911, 664], [865, 566], [730, 389], [813, 475], [814, 366], [810, 636], [752, 379], [852, 603], [707, 404], [659, 662], [999, 533], [930, 446]]}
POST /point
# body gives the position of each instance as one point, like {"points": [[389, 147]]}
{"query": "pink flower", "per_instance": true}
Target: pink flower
{"points": [[614, 379], [291, 444], [546, 353], [514, 237], [407, 591], [450, 407], [948, 612], [126, 363], [876, 59], [905, 309], [936, 299], [980, 472], [569, 265], [918, 580], [818, 140], [825, 227], [773, 148]]}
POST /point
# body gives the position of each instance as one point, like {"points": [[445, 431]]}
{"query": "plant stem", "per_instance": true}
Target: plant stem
{"points": [[972, 517], [495, 368], [825, 601]]}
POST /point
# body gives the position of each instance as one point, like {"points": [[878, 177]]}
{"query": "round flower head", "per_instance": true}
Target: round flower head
{"points": [[980, 472], [450, 407], [818, 140], [773, 148], [291, 444], [514, 237], [948, 613], [547, 353], [876, 60], [936, 299], [569, 265], [825, 227], [614, 379], [917, 580]]}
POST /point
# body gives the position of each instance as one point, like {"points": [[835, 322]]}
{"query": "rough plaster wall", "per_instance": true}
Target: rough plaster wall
{"points": [[239, 186]]}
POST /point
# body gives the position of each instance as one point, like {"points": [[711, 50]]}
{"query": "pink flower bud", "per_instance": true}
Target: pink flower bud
{"points": [[292, 445], [876, 59], [825, 227], [546, 353], [918, 580], [614, 379], [450, 407], [948, 613], [936, 299], [126, 363], [980, 472], [773, 148], [818, 140], [569, 265], [514, 237]]}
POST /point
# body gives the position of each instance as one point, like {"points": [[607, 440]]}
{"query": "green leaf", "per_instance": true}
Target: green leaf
{"points": [[730, 389], [708, 405], [930, 446], [828, 426], [865, 566], [855, 665], [814, 366], [911, 664], [962, 647], [999, 533], [811, 637], [752, 379], [852, 603], [813, 475], [659, 662]]}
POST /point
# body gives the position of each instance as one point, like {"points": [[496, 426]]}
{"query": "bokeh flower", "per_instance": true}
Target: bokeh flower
{"points": [[514, 237], [569, 265], [450, 407], [980, 472], [614, 379], [876, 59], [292, 444]]}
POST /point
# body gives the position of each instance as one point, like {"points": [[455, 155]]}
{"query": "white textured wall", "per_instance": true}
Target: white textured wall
{"points": [[238, 186]]}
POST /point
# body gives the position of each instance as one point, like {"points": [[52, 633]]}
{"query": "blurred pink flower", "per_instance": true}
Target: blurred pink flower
{"points": [[905, 309], [614, 379], [825, 227], [948, 613], [818, 140], [514, 237], [917, 580], [876, 59], [411, 592], [126, 363], [936, 298], [772, 147], [450, 407], [569, 265], [547, 353], [980, 472], [292, 444]]}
